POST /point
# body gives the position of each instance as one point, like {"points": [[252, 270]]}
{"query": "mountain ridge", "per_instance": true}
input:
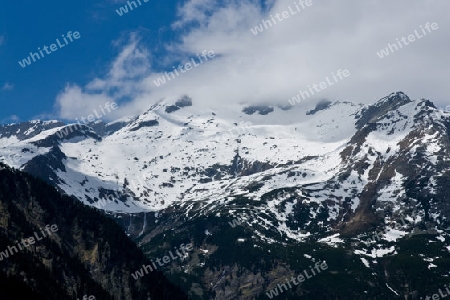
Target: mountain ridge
{"points": [[366, 184]]}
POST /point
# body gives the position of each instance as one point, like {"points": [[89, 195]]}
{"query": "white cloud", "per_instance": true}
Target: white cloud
{"points": [[11, 119], [194, 11], [121, 82], [275, 64], [8, 87], [73, 103]]}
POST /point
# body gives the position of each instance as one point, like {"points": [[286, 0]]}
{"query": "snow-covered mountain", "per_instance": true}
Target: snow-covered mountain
{"points": [[341, 156], [344, 159], [339, 174], [173, 151]]}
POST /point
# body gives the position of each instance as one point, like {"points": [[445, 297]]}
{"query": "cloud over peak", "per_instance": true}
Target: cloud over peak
{"points": [[273, 65]]}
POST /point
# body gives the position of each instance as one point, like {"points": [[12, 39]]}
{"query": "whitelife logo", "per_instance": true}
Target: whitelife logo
{"points": [[124, 9], [90, 118], [27, 61], [438, 296], [284, 15], [187, 66], [166, 259], [296, 281], [49, 229], [411, 38], [323, 85], [85, 297]]}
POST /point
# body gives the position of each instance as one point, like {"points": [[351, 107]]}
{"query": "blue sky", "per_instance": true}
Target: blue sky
{"points": [[118, 58], [24, 26]]}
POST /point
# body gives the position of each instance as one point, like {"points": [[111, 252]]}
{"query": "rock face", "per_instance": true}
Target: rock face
{"points": [[87, 255]]}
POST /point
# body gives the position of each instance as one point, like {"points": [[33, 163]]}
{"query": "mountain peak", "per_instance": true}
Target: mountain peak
{"points": [[395, 97], [370, 113]]}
